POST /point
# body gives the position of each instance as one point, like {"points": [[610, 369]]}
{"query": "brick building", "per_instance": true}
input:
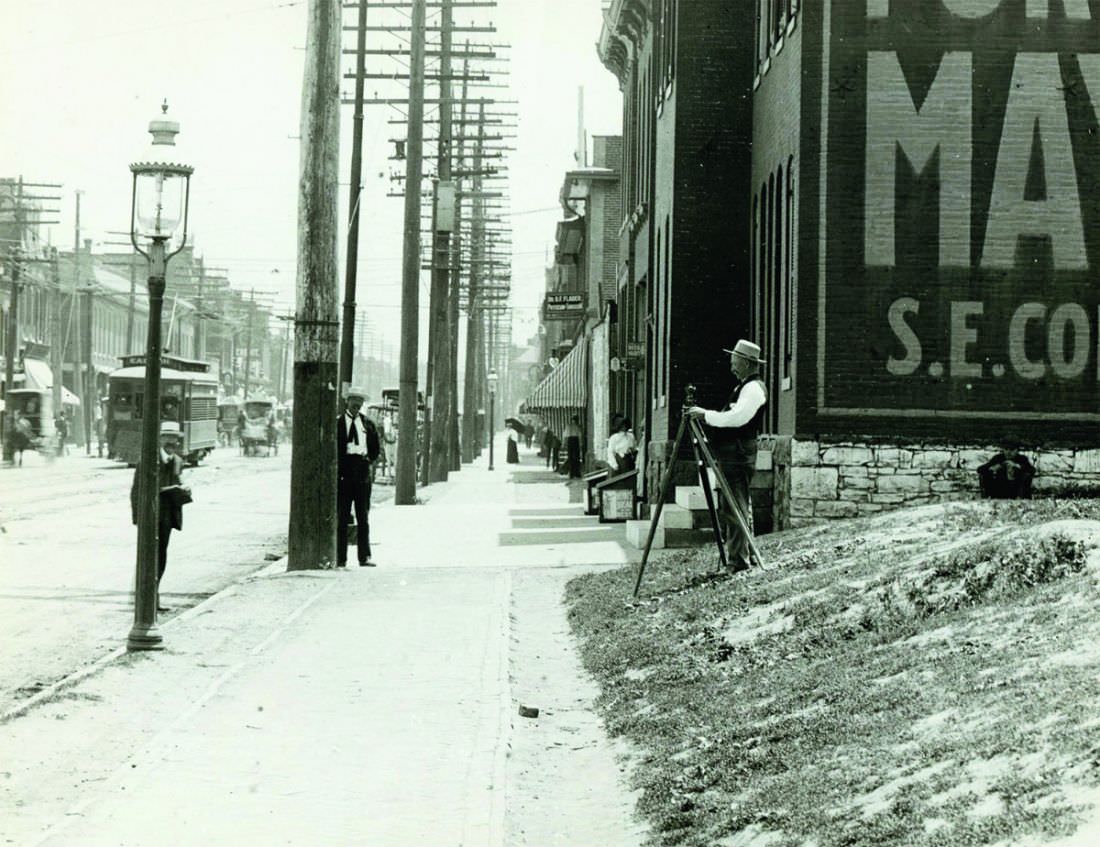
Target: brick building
{"points": [[575, 337], [685, 68], [925, 240]]}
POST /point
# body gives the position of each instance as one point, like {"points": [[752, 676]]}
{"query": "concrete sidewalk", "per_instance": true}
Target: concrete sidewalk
{"points": [[358, 707]]}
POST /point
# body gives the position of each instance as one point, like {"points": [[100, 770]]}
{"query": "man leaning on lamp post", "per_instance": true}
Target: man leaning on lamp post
{"points": [[733, 438]]}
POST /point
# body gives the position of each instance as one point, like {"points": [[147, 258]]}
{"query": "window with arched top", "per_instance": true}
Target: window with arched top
{"points": [[762, 265], [754, 264], [789, 273]]}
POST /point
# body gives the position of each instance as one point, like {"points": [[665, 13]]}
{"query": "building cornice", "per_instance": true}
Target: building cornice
{"points": [[624, 27]]}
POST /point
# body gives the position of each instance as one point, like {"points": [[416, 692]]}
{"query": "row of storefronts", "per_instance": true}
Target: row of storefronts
{"points": [[75, 313], [893, 200]]}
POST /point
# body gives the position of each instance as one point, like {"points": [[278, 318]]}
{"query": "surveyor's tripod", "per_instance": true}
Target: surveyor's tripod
{"points": [[704, 461]]}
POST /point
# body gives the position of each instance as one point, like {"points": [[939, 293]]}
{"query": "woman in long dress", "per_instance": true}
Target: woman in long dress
{"points": [[513, 446]]}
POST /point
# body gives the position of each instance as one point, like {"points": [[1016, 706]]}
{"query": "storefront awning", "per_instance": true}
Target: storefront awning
{"points": [[565, 387], [38, 374]]}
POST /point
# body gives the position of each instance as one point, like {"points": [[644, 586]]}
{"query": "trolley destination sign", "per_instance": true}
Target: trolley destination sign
{"points": [[962, 210], [137, 360]]}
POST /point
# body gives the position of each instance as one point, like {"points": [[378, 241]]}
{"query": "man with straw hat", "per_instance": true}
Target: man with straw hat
{"points": [[733, 438], [357, 446]]}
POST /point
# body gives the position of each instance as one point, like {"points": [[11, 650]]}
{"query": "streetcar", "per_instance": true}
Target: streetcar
{"points": [[188, 395]]}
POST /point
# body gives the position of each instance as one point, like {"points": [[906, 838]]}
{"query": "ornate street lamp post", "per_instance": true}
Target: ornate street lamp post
{"points": [[158, 217], [492, 412]]}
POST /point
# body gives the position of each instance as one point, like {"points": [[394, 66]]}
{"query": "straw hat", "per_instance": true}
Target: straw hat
{"points": [[747, 350]]}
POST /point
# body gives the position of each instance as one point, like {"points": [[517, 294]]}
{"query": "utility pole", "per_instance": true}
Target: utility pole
{"points": [[405, 491], [200, 322], [132, 306], [355, 195], [312, 524], [436, 418], [56, 331], [76, 322], [454, 448], [10, 355], [248, 342], [88, 405], [475, 377], [286, 358]]}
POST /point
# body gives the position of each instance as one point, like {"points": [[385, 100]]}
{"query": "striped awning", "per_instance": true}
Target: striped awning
{"points": [[565, 387]]}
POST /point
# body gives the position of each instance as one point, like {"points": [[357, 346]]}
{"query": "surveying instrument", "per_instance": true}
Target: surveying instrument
{"points": [[704, 462]]}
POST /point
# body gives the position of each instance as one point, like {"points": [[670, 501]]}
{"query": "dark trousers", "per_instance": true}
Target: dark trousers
{"points": [[353, 490], [164, 532], [573, 451], [738, 474]]}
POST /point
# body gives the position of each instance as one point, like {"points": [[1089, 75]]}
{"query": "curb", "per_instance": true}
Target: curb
{"points": [[99, 664]]}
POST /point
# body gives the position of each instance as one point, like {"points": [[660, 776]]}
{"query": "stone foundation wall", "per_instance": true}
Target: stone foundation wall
{"points": [[818, 480]]}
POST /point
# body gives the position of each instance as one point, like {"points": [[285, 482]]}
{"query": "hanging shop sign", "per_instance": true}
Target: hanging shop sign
{"points": [[560, 306]]}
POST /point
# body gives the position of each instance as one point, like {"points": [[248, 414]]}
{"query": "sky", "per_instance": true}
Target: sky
{"points": [[81, 81]]}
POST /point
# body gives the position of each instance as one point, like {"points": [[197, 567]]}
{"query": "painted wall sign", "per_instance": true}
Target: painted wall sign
{"points": [[962, 209]]}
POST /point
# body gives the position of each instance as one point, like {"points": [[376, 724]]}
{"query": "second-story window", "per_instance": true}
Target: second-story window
{"points": [[668, 42]]}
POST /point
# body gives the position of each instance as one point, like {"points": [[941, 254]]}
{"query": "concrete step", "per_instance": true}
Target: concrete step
{"points": [[638, 531], [666, 537], [691, 497], [676, 517]]}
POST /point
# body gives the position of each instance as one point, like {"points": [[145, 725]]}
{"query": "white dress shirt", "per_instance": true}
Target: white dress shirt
{"points": [[749, 401], [356, 423], [619, 444]]}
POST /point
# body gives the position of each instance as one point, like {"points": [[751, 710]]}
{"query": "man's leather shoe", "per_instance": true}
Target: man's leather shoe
{"points": [[367, 564]]}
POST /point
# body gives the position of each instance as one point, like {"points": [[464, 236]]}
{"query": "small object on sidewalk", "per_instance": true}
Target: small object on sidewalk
{"points": [[528, 711], [271, 557]]}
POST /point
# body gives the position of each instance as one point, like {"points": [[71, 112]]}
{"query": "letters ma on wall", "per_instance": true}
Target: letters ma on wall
{"points": [[962, 208]]}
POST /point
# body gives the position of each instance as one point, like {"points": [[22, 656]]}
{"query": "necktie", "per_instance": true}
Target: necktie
{"points": [[353, 432]]}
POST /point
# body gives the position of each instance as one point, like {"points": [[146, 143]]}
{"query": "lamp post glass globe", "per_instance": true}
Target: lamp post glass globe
{"points": [[158, 202], [161, 188]]}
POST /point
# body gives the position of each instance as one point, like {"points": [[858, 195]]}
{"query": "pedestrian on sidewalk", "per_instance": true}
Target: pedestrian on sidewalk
{"points": [[513, 446], [733, 438], [61, 425], [573, 447], [21, 437], [172, 492], [553, 445], [358, 446], [622, 448]]}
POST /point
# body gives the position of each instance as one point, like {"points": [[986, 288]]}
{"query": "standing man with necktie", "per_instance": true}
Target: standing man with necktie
{"points": [[357, 445]]}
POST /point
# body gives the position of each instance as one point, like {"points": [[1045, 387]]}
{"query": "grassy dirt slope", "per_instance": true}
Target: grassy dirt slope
{"points": [[925, 677]]}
